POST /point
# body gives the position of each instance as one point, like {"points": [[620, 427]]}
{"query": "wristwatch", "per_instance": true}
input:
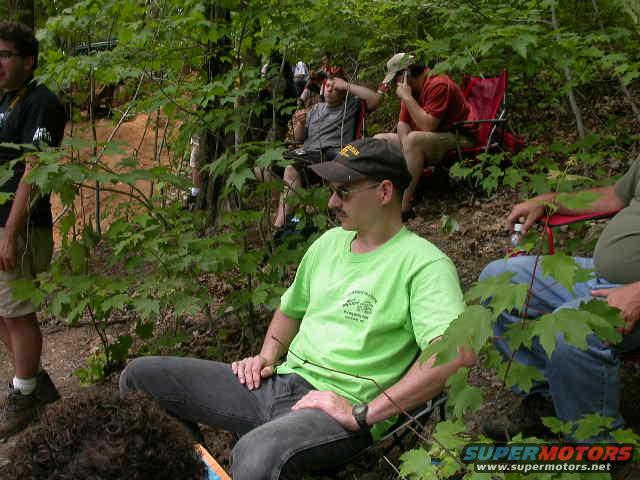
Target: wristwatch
{"points": [[359, 412]]}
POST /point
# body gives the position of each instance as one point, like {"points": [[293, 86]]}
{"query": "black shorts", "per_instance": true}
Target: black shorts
{"points": [[303, 159]]}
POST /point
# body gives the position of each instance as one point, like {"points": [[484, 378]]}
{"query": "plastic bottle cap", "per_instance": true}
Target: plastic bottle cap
{"points": [[517, 227]]}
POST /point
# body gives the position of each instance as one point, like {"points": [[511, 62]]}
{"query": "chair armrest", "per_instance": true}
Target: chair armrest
{"points": [[557, 220], [478, 122]]}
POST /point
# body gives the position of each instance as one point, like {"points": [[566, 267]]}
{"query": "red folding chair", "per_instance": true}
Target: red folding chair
{"points": [[488, 98], [557, 220]]}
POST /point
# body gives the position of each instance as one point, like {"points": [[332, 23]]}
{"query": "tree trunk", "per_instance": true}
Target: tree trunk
{"points": [[23, 11], [567, 73], [209, 198]]}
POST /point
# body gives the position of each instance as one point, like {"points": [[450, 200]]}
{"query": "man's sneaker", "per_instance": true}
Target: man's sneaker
{"points": [[46, 391], [17, 410], [525, 419]]}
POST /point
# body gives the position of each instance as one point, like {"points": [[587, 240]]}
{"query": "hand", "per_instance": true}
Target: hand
{"points": [[251, 370], [627, 300], [530, 210], [340, 84], [7, 251], [337, 407], [300, 116], [466, 357], [403, 91]]}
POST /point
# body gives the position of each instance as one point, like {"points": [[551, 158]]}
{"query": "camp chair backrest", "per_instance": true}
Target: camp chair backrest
{"points": [[487, 98]]}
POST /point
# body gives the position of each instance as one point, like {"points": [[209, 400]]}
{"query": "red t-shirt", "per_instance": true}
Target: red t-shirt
{"points": [[442, 98]]}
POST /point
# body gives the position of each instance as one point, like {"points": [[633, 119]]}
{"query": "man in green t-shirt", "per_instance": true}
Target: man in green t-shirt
{"points": [[366, 299], [577, 382]]}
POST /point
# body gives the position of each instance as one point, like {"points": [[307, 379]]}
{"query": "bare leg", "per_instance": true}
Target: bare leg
{"points": [[389, 137], [292, 181], [425, 148], [26, 339]]}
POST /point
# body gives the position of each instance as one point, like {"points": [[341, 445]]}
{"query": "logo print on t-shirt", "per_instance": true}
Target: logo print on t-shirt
{"points": [[42, 137], [358, 305]]}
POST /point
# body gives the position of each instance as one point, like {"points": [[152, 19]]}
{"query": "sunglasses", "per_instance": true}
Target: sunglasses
{"points": [[7, 54], [343, 193]]}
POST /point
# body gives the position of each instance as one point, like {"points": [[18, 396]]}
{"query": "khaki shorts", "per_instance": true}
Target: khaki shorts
{"points": [[34, 250]]}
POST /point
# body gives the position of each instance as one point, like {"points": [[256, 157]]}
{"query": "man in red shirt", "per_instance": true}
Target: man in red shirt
{"points": [[430, 105]]}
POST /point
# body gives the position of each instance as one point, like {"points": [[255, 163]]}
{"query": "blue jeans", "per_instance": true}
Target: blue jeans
{"points": [[579, 382], [276, 442]]}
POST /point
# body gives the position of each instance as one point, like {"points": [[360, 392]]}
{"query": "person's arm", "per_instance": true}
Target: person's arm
{"points": [[299, 125], [534, 208], [15, 223], [281, 331], [423, 120], [371, 98], [421, 383], [403, 130]]}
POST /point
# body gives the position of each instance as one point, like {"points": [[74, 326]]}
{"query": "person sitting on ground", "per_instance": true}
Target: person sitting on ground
{"points": [[367, 298], [100, 435], [577, 382], [324, 130], [430, 105]]}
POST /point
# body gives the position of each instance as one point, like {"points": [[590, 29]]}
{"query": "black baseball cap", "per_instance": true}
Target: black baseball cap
{"points": [[367, 158]]}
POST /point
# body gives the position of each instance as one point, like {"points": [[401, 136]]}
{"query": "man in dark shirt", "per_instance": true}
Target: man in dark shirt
{"points": [[577, 382], [29, 114]]}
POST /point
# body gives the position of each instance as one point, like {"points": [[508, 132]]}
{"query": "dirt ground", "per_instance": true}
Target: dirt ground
{"points": [[480, 239]]}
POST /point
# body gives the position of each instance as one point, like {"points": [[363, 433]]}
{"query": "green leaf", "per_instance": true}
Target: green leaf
{"points": [[522, 376], [449, 224], [591, 425], [578, 200], [451, 434], [462, 396], [146, 307], [565, 270], [119, 350], [417, 464], [144, 330], [504, 294], [472, 328], [573, 324]]}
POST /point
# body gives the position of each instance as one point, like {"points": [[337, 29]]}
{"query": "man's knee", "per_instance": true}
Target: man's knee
{"points": [[419, 140], [389, 137], [494, 269], [256, 458], [132, 376]]}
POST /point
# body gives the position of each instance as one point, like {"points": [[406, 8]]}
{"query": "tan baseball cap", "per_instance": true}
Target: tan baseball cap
{"points": [[398, 62]]}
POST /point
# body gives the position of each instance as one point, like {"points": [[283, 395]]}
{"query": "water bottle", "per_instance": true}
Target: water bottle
{"points": [[517, 234]]}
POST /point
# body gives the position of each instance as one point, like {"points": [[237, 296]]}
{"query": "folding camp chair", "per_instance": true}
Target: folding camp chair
{"points": [[418, 417], [557, 220], [213, 470]]}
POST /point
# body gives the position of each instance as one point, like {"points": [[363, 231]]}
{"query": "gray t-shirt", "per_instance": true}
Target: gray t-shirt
{"points": [[617, 254], [325, 125]]}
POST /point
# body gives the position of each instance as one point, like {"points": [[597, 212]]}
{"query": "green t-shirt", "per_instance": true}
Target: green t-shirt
{"points": [[367, 314], [617, 254]]}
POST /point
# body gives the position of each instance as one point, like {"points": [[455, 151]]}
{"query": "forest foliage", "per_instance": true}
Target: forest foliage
{"points": [[194, 66]]}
